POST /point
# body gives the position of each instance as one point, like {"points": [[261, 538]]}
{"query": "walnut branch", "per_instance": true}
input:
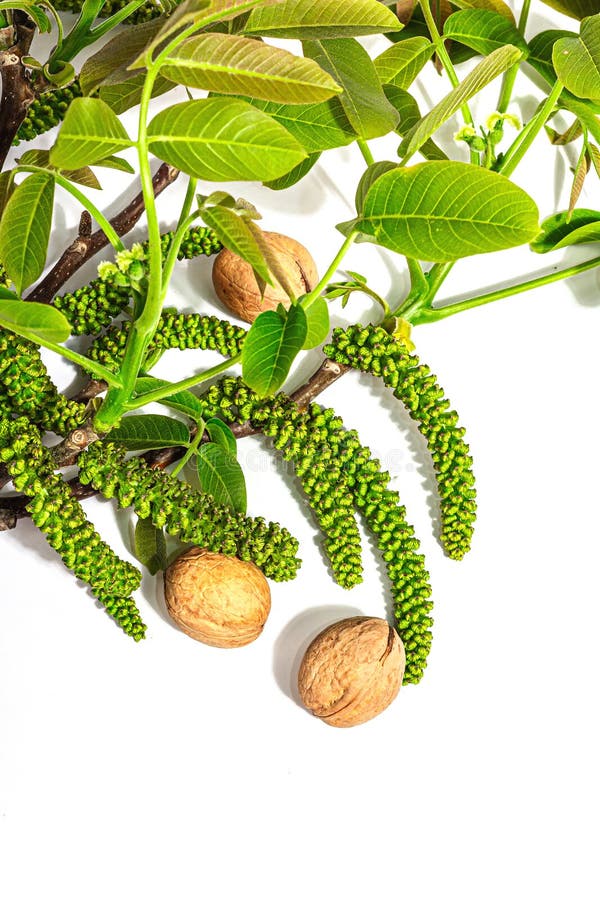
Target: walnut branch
{"points": [[14, 508], [88, 243], [17, 90]]}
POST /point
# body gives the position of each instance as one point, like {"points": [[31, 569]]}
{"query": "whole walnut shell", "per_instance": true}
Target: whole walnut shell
{"points": [[352, 671], [216, 599], [236, 286]]}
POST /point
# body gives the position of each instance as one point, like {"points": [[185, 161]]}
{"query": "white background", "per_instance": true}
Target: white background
{"points": [[171, 769]]}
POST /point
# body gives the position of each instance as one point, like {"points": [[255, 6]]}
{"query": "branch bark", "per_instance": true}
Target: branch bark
{"points": [[17, 90], [88, 243]]}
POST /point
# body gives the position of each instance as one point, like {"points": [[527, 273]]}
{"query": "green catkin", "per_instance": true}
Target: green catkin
{"points": [[306, 446], [175, 331], [62, 520], [30, 390], [351, 465], [91, 308], [190, 515], [372, 349], [47, 111]]}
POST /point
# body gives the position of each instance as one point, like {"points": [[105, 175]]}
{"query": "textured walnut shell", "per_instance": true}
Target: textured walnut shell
{"points": [[352, 671], [236, 286], [216, 599]]}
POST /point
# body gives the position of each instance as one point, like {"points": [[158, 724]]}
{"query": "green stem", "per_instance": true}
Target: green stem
{"points": [[83, 33], [366, 152], [525, 139], [316, 291], [508, 82], [88, 365], [444, 57], [192, 381], [182, 226], [414, 303], [433, 315], [91, 207], [190, 450]]}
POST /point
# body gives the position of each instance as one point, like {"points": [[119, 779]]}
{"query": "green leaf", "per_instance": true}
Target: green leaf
{"points": [[483, 31], [25, 229], [317, 323], [496, 6], [410, 114], [577, 9], [402, 62], [294, 175], [34, 321], [442, 211], [150, 546], [483, 73], [223, 140], [221, 475], [317, 126], [183, 401], [90, 132], [121, 97], [220, 433], [540, 51], [308, 19], [369, 177], [577, 60], [229, 64], [364, 102], [6, 188], [109, 65], [562, 230], [235, 234], [150, 432], [269, 350], [115, 162], [41, 158]]}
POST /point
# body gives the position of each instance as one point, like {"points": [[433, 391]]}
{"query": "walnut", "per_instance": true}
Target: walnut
{"points": [[352, 671], [236, 286], [217, 599]]}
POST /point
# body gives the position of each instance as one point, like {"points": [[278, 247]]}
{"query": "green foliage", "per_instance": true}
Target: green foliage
{"points": [[221, 476], [61, 519], [483, 31], [29, 389], [25, 229], [47, 111], [272, 344], [368, 110], [577, 60], [318, 19], [150, 546], [230, 64], [442, 211], [90, 132], [317, 126], [35, 321], [187, 514], [149, 10], [372, 349], [223, 139], [577, 9], [401, 63], [564, 229], [150, 432]]}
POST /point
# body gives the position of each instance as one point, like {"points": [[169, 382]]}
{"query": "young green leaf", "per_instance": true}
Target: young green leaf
{"points": [[294, 175], [220, 433], [109, 65], [183, 401], [234, 233], [483, 73], [401, 63], [90, 132], [540, 51], [496, 6], [577, 60], [221, 475], [41, 158], [317, 323], [150, 546], [150, 432], [230, 64], [6, 188], [364, 102], [269, 350], [34, 321], [318, 19], [222, 139], [409, 115], [121, 97], [442, 211], [562, 230], [25, 229], [483, 31], [369, 177], [116, 162], [317, 126]]}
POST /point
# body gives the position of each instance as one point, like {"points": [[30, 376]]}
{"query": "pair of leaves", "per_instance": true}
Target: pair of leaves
{"points": [[442, 211]]}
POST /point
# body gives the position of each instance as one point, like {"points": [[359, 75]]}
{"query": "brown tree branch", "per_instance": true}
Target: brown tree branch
{"points": [[17, 90], [14, 508], [88, 243]]}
